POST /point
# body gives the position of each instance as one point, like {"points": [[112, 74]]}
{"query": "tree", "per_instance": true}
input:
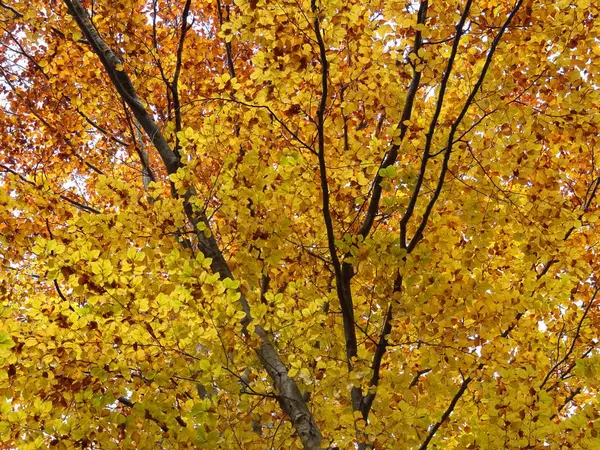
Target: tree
{"points": [[299, 224]]}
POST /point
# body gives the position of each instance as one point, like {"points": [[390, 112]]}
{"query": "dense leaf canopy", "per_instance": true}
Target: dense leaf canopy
{"points": [[299, 224]]}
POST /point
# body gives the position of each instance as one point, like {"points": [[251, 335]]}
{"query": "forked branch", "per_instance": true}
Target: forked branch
{"points": [[290, 398]]}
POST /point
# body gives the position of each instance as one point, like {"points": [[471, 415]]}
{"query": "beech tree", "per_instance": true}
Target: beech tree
{"points": [[299, 224]]}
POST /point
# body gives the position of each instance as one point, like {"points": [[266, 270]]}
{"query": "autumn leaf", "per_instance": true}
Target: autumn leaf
{"points": [[312, 224]]}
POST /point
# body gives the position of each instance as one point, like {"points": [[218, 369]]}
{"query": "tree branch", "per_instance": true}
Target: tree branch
{"points": [[228, 47], [574, 342], [568, 400], [101, 129], [432, 126], [178, 63], [367, 401], [417, 377], [463, 387], [419, 232], [123, 84], [290, 398], [344, 295], [271, 113], [392, 154], [75, 203], [163, 426]]}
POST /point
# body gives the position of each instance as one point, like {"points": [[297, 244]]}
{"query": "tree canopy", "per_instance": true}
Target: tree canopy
{"points": [[299, 224]]}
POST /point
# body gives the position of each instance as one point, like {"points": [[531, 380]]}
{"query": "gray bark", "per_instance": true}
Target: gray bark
{"points": [[290, 399]]}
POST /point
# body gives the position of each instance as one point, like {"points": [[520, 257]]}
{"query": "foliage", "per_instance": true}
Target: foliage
{"points": [[296, 224]]}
